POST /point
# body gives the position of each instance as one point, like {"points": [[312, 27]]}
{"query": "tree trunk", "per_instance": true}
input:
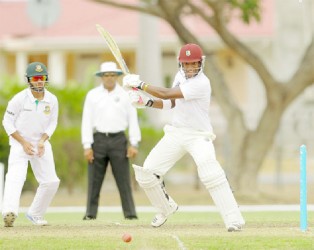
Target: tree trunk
{"points": [[249, 151]]}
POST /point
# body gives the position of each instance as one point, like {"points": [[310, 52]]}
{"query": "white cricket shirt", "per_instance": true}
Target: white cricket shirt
{"points": [[109, 112], [192, 111], [30, 117]]}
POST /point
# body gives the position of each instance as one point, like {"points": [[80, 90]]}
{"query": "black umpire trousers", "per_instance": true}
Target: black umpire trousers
{"points": [[110, 148]]}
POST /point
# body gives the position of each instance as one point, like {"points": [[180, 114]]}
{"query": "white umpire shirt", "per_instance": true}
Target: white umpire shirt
{"points": [[109, 112], [192, 111], [30, 117]]}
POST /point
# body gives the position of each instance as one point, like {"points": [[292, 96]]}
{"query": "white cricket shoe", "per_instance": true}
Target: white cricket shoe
{"points": [[37, 220], [235, 227], [9, 219], [161, 218]]}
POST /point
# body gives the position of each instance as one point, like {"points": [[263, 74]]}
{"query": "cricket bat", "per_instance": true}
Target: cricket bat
{"points": [[113, 48]]}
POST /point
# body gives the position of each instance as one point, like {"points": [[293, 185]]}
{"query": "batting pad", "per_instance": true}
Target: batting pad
{"points": [[226, 204], [154, 190], [215, 181]]}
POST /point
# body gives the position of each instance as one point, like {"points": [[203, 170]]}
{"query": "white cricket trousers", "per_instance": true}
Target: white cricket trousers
{"points": [[44, 172], [175, 144], [179, 141]]}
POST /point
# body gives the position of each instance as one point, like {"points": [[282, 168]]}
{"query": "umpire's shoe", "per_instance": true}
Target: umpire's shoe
{"points": [[9, 219], [131, 217], [89, 217]]}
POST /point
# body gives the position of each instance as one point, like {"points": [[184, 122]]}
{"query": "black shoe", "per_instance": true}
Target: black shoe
{"points": [[89, 217], [131, 217]]}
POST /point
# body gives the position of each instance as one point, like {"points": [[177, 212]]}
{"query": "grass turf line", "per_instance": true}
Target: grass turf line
{"points": [[264, 230]]}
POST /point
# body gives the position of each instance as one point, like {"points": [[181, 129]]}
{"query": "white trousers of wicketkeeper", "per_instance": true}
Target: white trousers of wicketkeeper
{"points": [[44, 171], [172, 147]]}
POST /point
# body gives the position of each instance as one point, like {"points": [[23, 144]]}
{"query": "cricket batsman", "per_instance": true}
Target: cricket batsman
{"points": [[190, 132]]}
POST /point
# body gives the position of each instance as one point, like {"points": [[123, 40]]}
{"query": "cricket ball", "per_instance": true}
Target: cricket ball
{"points": [[127, 237]]}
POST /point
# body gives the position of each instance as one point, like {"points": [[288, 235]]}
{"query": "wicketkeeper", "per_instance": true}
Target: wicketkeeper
{"points": [[30, 120], [190, 132]]}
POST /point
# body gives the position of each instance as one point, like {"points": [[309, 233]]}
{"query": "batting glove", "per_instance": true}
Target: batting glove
{"points": [[133, 81], [139, 99]]}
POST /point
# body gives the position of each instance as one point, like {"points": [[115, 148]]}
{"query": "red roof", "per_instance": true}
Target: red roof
{"points": [[78, 18]]}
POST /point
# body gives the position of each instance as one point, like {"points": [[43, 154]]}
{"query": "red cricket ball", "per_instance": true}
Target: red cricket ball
{"points": [[127, 237]]}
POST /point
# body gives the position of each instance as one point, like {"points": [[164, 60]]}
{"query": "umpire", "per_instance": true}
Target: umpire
{"points": [[107, 114]]}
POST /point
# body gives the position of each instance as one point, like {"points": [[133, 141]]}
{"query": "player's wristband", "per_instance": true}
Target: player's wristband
{"points": [[145, 86], [166, 104], [142, 86]]}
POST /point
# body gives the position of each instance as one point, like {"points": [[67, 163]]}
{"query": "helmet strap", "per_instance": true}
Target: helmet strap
{"points": [[36, 89]]}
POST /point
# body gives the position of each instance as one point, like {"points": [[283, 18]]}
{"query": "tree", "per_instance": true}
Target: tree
{"points": [[249, 147]]}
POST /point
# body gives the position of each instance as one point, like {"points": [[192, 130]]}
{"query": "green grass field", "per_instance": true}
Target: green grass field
{"points": [[264, 230]]}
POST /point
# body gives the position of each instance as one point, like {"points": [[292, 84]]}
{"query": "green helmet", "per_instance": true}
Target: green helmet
{"points": [[36, 69]]}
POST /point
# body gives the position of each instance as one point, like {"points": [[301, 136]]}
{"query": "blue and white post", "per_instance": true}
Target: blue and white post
{"points": [[303, 189]]}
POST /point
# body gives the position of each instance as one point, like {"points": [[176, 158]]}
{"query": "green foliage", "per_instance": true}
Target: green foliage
{"points": [[71, 166], [150, 137], [4, 148], [71, 101], [250, 9], [9, 87]]}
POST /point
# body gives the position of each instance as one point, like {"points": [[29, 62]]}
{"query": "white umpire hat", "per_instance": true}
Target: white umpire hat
{"points": [[108, 67]]}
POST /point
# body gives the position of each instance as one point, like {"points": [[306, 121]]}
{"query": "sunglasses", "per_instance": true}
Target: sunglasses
{"points": [[38, 78]]}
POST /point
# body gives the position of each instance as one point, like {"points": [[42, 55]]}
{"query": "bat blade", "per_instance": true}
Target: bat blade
{"points": [[113, 48]]}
